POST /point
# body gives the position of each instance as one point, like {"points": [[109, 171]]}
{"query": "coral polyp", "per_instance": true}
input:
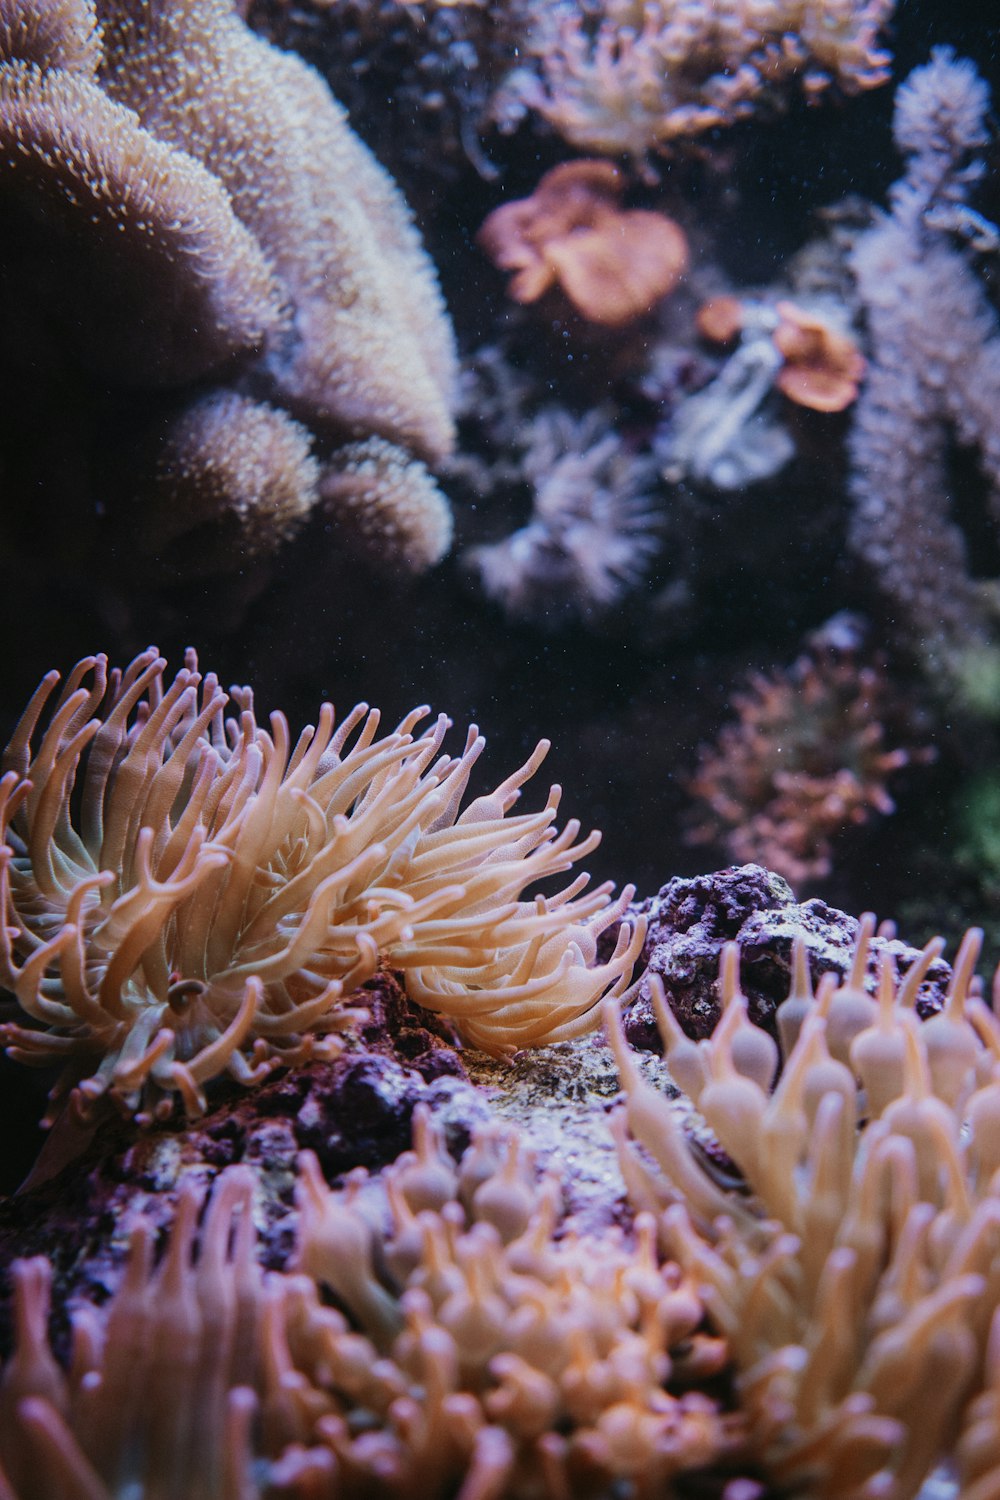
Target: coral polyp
{"points": [[186, 893]]}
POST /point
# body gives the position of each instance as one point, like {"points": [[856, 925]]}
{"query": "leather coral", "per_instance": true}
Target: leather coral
{"points": [[187, 204]]}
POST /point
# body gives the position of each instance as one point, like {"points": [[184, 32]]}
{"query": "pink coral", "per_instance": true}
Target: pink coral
{"points": [[613, 264], [805, 760]]}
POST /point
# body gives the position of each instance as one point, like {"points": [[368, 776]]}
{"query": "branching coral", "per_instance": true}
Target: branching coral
{"points": [[646, 74], [179, 889], [858, 1281], [592, 531], [484, 1353], [805, 761], [934, 373], [187, 202]]}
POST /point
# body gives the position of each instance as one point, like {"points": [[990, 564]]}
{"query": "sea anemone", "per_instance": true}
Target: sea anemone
{"points": [[808, 757], [185, 893], [487, 1355], [855, 1274], [592, 533]]}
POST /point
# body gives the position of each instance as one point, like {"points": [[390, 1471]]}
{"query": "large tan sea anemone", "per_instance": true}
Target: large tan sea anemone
{"points": [[185, 893]]}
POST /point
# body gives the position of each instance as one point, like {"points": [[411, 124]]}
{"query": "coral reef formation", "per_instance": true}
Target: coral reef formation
{"points": [[934, 373], [188, 203], [857, 1284], [816, 1223], [690, 921], [360, 1201], [185, 895], [613, 264], [805, 760], [626, 78]]}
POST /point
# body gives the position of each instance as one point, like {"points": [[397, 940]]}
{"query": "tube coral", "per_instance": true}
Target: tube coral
{"points": [[857, 1281], [184, 894]]}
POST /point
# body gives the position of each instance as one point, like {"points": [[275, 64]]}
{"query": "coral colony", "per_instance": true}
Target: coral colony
{"points": [[208, 188], [387, 1155]]}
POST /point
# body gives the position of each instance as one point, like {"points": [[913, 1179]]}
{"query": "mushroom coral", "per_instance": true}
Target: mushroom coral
{"points": [[822, 368], [613, 264], [184, 894], [485, 1357], [857, 1278]]}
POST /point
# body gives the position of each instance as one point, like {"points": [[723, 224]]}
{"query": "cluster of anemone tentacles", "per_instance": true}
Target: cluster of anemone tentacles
{"points": [[483, 1358], [858, 1283], [441, 1331], [184, 893]]}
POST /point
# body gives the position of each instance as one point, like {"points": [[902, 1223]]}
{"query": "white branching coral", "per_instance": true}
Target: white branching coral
{"points": [[184, 893], [857, 1284], [643, 75], [486, 1356]]}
